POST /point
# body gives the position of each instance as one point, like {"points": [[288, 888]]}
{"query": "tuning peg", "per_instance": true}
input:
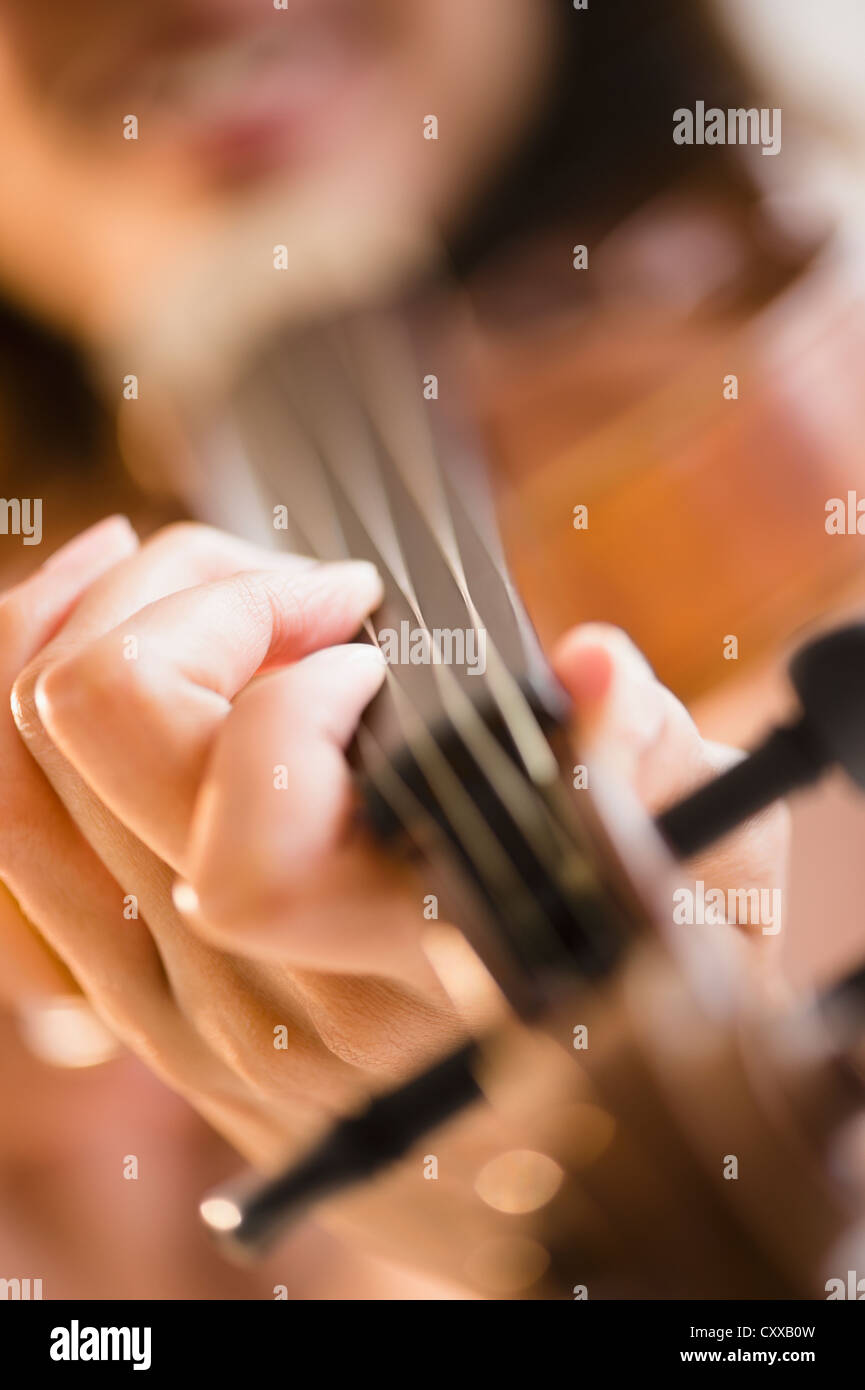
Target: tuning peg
{"points": [[829, 678]]}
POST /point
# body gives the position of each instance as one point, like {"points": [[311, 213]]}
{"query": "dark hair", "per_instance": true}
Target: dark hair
{"points": [[50, 415], [602, 145]]}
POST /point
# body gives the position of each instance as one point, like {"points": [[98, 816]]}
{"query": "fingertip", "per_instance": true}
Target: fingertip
{"points": [[585, 668], [362, 666], [361, 576], [362, 655], [41, 702]]}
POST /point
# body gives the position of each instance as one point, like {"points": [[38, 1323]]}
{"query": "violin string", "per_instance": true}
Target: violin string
{"points": [[548, 801], [499, 769], [465, 716], [408, 435], [496, 871], [540, 817], [472, 824], [552, 814], [415, 441]]}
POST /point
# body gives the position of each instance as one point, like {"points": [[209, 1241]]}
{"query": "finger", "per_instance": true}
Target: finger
{"points": [[32, 611], [71, 899], [98, 579], [82, 894], [138, 731], [628, 721], [625, 718], [29, 811], [283, 745], [755, 854], [267, 866], [98, 929], [29, 967], [79, 910], [176, 557]]}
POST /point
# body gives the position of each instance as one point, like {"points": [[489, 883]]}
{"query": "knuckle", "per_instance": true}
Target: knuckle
{"points": [[252, 594], [191, 536], [57, 695], [269, 603], [375, 1026], [195, 549], [84, 682], [240, 903]]}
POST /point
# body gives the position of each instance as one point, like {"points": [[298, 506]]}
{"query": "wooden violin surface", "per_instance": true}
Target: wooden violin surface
{"points": [[672, 473]]}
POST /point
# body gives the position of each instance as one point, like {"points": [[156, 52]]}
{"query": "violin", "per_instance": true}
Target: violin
{"points": [[652, 1109], [699, 434], [668, 442], [651, 446]]}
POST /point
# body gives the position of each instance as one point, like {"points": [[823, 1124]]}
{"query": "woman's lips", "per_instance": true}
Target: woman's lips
{"points": [[235, 106], [250, 98]]}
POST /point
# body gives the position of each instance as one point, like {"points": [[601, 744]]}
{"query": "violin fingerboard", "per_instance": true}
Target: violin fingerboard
{"points": [[456, 752]]}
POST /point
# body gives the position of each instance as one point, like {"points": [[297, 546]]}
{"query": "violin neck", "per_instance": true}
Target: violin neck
{"points": [[461, 755]]}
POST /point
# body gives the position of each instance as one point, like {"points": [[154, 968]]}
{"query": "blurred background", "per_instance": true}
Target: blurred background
{"points": [[605, 387]]}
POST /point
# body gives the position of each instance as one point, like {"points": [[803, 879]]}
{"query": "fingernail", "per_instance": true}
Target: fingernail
{"points": [[22, 713], [362, 576], [40, 701], [89, 542], [363, 654]]}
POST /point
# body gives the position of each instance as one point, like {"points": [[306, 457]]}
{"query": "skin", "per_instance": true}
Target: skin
{"points": [[136, 776], [316, 143], [154, 776]]}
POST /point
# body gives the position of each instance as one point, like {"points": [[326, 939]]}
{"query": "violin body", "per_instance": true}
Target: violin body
{"points": [[642, 1120], [711, 446]]}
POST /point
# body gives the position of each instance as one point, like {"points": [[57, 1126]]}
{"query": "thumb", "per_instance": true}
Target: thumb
{"points": [[626, 719]]}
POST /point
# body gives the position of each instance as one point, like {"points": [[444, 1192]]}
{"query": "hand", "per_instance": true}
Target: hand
{"points": [[632, 725], [157, 690], [101, 832]]}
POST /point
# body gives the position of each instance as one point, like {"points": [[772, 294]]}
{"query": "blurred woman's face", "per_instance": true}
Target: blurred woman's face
{"points": [[236, 100]]}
